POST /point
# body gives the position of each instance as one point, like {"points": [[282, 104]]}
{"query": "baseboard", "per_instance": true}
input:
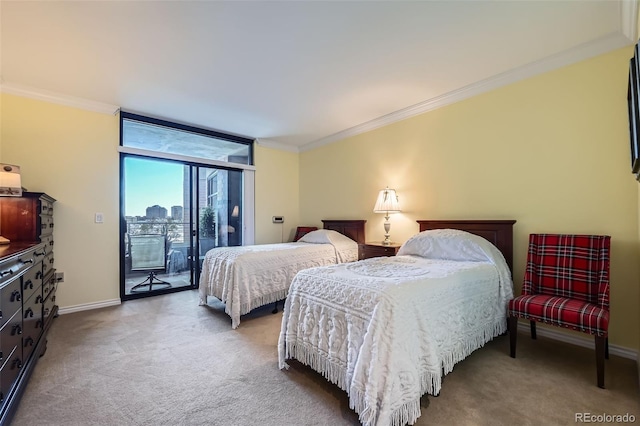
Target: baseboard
{"points": [[578, 341], [88, 306]]}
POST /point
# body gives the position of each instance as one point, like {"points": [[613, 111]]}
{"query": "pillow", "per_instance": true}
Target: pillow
{"points": [[324, 236], [449, 244]]}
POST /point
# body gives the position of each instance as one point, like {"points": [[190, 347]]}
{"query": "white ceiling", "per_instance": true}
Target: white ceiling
{"points": [[293, 74]]}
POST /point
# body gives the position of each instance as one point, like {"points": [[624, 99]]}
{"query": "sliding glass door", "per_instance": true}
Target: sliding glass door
{"points": [[220, 209], [184, 191], [157, 229], [174, 213]]}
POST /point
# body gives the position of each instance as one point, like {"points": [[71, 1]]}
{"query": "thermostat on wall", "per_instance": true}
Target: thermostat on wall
{"points": [[277, 219]]}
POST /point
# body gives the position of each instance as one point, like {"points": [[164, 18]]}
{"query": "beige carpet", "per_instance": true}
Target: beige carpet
{"points": [[167, 361]]}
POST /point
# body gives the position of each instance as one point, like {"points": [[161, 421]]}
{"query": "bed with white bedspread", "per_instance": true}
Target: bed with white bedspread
{"points": [[386, 330], [247, 277]]}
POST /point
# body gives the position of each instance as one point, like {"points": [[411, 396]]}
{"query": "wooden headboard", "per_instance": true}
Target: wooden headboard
{"points": [[498, 232], [353, 229]]}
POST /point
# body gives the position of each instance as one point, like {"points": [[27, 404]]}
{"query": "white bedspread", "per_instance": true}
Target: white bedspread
{"points": [[247, 277], [384, 329]]}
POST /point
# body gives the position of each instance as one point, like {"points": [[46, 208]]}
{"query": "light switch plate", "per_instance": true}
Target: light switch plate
{"points": [[99, 218]]}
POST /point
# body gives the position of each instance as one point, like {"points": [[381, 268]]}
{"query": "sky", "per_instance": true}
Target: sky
{"points": [[151, 182]]}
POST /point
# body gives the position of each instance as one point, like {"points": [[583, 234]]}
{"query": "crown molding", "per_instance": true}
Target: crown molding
{"points": [[57, 98], [268, 143], [579, 53], [629, 19]]}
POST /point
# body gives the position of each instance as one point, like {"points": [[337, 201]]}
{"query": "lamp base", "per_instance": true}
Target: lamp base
{"points": [[4, 240], [387, 228]]}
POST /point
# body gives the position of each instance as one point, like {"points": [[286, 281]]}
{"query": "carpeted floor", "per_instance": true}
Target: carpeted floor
{"points": [[167, 361]]}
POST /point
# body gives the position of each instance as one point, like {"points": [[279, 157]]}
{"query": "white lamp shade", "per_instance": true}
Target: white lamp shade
{"points": [[387, 202], [10, 183]]}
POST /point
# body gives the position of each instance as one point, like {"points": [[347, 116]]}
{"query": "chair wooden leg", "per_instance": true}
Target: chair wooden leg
{"points": [[513, 335], [606, 349], [600, 350], [533, 330]]}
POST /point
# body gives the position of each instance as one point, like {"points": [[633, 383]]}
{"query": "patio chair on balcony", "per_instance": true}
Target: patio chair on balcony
{"points": [[148, 253]]}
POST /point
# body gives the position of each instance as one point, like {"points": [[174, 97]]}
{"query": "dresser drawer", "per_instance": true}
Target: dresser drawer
{"points": [[47, 283], [47, 263], [46, 225], [31, 281], [11, 336], [369, 250], [48, 241], [9, 373], [50, 282], [10, 300], [46, 207], [31, 324], [49, 304]]}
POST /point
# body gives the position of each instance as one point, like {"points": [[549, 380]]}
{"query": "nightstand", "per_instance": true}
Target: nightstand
{"points": [[377, 249]]}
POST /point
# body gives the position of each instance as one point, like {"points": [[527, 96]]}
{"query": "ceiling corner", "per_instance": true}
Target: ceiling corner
{"points": [[629, 19], [267, 143]]}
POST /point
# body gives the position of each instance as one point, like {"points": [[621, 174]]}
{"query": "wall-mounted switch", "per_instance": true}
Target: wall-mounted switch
{"points": [[99, 218], [277, 219]]}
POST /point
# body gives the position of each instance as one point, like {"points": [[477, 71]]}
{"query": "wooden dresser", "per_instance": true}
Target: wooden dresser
{"points": [[27, 292]]}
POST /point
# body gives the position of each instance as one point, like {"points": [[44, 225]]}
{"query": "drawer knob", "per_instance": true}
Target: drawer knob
{"points": [[3, 273], [40, 254], [28, 285], [28, 342], [16, 363], [26, 261], [28, 313], [15, 296], [16, 329]]}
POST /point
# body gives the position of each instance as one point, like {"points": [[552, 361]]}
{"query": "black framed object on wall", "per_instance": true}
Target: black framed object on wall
{"points": [[633, 103]]}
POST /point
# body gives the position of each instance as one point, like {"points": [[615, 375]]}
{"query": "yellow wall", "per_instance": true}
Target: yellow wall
{"points": [[277, 192], [551, 152], [72, 155]]}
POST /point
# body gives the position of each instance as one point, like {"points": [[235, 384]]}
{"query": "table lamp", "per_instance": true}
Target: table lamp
{"points": [[387, 203], [10, 186]]}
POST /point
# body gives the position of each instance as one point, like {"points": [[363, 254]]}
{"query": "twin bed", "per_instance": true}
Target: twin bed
{"points": [[247, 277], [386, 330]]}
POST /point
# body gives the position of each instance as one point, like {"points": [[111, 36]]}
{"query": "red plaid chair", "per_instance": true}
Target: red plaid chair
{"points": [[566, 284]]}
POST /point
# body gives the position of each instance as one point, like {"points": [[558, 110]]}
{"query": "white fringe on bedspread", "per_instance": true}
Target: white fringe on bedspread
{"points": [[386, 330], [409, 412]]}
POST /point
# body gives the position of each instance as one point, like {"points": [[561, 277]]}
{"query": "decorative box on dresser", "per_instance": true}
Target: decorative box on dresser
{"points": [[374, 249], [27, 292]]}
